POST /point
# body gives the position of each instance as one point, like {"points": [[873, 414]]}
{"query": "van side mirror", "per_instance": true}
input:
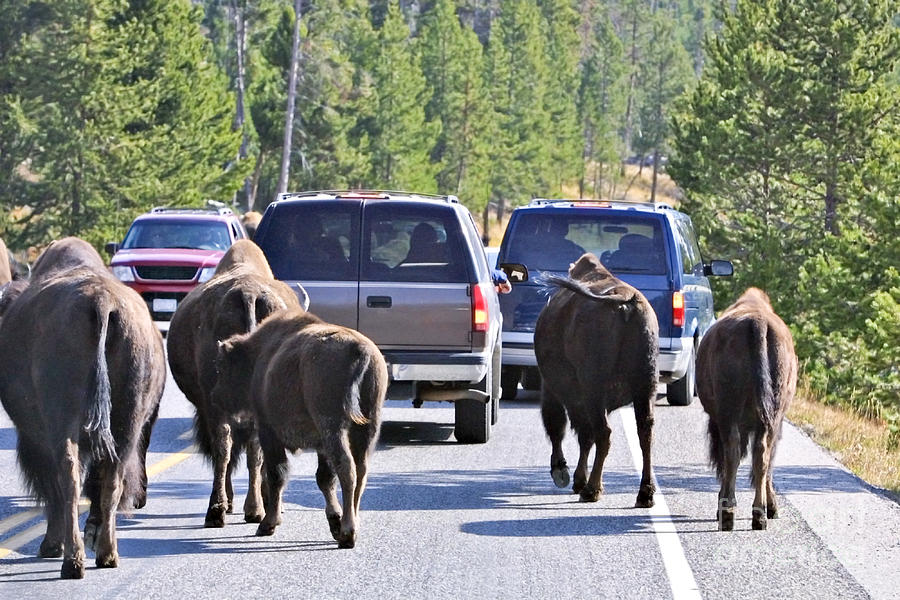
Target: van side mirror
{"points": [[515, 272], [719, 268], [111, 248]]}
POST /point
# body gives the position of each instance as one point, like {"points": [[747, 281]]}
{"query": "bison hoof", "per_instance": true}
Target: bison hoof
{"points": [[772, 512], [334, 524], [644, 499], [50, 549], [578, 485], [230, 509], [253, 517], [140, 500], [215, 517], [347, 540], [72, 568], [109, 561], [759, 519], [560, 476], [726, 520], [589, 494], [265, 529]]}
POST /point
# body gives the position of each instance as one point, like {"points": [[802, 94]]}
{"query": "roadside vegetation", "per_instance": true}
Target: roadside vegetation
{"points": [[778, 122]]}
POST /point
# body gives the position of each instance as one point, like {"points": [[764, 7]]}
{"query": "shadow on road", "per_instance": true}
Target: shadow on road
{"points": [[788, 479]]}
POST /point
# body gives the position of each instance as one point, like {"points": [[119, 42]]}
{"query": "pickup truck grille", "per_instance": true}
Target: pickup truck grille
{"points": [[166, 272]]}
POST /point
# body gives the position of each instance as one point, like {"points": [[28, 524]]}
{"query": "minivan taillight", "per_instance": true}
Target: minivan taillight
{"points": [[678, 309], [479, 308]]}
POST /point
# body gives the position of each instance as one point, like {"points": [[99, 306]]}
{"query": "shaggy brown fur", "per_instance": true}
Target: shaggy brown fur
{"points": [[82, 370], [251, 220], [313, 385], [746, 378], [241, 294], [596, 343]]}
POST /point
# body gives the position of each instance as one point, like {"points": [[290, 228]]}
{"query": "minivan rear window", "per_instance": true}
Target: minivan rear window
{"points": [[552, 241], [413, 243], [313, 241]]}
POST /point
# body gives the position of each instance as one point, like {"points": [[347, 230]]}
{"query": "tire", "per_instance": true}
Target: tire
{"points": [[532, 379], [473, 421], [509, 382], [681, 392], [495, 385]]}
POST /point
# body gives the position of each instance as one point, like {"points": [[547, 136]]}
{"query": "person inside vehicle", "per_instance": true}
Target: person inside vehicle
{"points": [[424, 246], [311, 238]]}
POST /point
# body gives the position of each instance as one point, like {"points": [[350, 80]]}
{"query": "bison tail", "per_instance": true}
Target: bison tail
{"points": [[581, 289], [352, 406], [764, 396], [99, 401]]}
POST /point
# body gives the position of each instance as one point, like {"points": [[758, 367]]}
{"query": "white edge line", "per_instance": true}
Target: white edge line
{"points": [[681, 578]]}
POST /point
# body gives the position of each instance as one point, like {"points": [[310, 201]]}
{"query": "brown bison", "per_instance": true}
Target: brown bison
{"points": [[250, 221], [241, 293], [82, 369], [596, 343], [313, 385], [746, 378]]}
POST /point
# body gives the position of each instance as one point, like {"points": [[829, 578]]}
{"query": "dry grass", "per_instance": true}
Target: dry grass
{"points": [[860, 444]]}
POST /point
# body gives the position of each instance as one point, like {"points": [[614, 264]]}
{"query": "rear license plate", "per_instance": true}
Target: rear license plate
{"points": [[164, 304]]}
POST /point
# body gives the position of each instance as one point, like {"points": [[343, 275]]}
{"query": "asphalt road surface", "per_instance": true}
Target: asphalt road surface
{"points": [[441, 520]]}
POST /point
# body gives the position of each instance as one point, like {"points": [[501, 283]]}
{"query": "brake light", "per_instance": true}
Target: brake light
{"points": [[479, 309], [678, 309]]}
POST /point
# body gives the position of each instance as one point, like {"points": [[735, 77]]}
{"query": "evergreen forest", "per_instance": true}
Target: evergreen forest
{"points": [[779, 121]]}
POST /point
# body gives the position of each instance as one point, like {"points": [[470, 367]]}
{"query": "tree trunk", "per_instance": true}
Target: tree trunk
{"points": [[240, 42], [292, 99]]}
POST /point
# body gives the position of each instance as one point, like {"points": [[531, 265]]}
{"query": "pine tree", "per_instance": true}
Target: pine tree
{"points": [[560, 28], [665, 73], [122, 111], [787, 150], [601, 98], [518, 73], [400, 138], [453, 66]]}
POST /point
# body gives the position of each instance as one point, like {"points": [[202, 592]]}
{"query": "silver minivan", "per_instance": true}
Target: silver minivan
{"points": [[408, 271]]}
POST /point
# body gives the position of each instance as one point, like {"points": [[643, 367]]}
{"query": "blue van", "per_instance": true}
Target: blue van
{"points": [[652, 247]]}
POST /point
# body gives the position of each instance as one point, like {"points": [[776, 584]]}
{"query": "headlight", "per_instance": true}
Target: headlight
{"points": [[206, 274], [123, 273]]}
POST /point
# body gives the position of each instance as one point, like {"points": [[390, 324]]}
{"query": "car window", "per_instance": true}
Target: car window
{"points": [[691, 262], [412, 242], [552, 241], [201, 235], [313, 241]]}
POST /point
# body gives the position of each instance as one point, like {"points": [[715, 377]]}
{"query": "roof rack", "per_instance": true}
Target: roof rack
{"points": [[595, 202], [366, 193], [187, 210]]}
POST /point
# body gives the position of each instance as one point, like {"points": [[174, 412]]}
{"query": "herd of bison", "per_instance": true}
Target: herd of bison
{"points": [[82, 371]]}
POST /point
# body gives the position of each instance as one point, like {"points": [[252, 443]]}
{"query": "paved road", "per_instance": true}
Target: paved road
{"points": [[441, 520]]}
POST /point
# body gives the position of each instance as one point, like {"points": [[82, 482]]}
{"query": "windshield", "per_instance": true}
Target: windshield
{"points": [[199, 235], [551, 241]]}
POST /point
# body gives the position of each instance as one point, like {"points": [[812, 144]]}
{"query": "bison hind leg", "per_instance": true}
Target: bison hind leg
{"points": [[559, 471]]}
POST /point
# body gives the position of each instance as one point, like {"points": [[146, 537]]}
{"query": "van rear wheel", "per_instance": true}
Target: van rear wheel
{"points": [[509, 382], [473, 421], [681, 392]]}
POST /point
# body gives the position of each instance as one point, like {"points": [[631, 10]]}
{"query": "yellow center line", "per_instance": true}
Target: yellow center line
{"points": [[15, 542]]}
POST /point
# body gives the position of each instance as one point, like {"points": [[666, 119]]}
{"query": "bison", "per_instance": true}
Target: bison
{"points": [[82, 370], [596, 343], [241, 293], [250, 220], [313, 385], [746, 378]]}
